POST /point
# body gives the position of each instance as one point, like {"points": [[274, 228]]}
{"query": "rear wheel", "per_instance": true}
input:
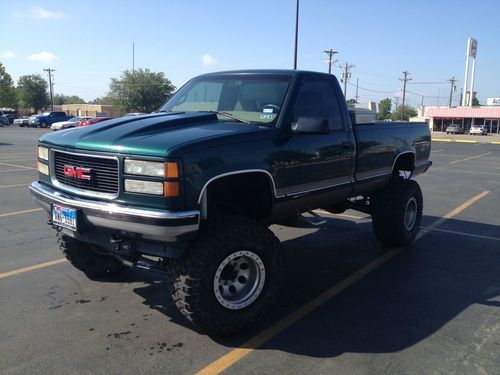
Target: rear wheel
{"points": [[230, 276], [397, 212], [89, 259]]}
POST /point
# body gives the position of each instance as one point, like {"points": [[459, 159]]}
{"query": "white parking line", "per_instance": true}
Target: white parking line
{"points": [[467, 234], [472, 157], [17, 166], [11, 186], [18, 170]]}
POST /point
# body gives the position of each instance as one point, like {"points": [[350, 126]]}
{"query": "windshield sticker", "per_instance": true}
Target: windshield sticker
{"points": [[266, 117], [267, 110]]}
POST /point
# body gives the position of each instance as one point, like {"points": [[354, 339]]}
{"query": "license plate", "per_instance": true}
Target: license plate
{"points": [[64, 217]]}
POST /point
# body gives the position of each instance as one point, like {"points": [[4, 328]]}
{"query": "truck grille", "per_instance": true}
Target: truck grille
{"points": [[103, 172]]}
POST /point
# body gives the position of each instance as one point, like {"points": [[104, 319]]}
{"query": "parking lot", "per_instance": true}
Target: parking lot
{"points": [[350, 306]]}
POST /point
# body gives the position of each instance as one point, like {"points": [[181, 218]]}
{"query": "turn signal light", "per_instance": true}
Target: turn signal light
{"points": [[171, 189], [171, 170]]}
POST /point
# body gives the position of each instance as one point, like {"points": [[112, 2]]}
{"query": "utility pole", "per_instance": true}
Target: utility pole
{"points": [[452, 88], [404, 79], [357, 86], [51, 86], [346, 75], [330, 54], [396, 99], [296, 35], [133, 72]]}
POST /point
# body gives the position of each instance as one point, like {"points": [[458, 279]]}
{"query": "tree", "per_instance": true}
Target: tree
{"points": [[475, 102], [384, 109], [408, 112], [60, 99], [142, 90], [8, 97], [32, 92], [106, 99]]}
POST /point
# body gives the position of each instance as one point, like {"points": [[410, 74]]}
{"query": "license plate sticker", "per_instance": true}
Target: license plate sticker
{"points": [[64, 217]]}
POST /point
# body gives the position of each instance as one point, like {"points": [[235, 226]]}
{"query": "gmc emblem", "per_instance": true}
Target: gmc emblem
{"points": [[77, 172]]}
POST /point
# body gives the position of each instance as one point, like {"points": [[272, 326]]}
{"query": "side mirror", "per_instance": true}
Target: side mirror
{"points": [[311, 125]]}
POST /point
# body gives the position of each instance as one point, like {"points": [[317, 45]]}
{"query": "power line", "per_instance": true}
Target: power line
{"points": [[51, 86], [376, 91], [405, 79], [330, 54]]}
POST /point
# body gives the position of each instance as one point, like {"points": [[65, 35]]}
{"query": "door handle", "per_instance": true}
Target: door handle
{"points": [[347, 146]]}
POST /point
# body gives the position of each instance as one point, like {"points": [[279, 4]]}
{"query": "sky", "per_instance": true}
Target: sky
{"points": [[89, 42]]}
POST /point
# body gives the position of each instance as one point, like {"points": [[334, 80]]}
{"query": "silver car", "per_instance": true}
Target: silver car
{"points": [[478, 129]]}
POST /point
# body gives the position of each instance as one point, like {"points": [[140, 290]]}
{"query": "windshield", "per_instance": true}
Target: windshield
{"points": [[45, 114], [74, 119], [256, 98]]}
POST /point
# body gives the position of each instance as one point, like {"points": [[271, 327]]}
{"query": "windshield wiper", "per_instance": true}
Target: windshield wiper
{"points": [[227, 114]]}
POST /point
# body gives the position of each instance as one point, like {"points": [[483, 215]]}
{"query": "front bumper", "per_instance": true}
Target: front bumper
{"points": [[164, 226]]}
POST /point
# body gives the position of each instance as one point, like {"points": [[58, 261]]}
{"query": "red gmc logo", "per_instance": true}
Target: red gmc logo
{"points": [[77, 172]]}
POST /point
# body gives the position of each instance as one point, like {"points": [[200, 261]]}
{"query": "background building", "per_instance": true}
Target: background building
{"points": [[441, 117], [91, 110]]}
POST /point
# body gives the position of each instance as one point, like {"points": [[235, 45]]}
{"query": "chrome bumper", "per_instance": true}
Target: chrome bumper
{"points": [[165, 226]]}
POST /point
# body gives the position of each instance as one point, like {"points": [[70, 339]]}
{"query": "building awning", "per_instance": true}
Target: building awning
{"points": [[463, 112]]}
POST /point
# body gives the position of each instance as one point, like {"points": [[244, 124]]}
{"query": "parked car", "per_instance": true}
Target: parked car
{"points": [[46, 119], [478, 129], [4, 120], [197, 187], [22, 121], [454, 129], [71, 123], [10, 114], [93, 120]]}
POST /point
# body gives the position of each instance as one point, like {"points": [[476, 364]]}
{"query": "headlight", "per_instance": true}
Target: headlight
{"points": [[144, 187], [43, 168], [145, 168], [43, 153]]}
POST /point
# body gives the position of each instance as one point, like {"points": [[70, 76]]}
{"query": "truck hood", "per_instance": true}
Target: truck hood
{"points": [[153, 135]]}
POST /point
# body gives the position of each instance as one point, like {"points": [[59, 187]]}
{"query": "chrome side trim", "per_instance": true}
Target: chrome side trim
{"points": [[82, 192], [374, 176], [203, 190], [110, 208], [347, 182]]}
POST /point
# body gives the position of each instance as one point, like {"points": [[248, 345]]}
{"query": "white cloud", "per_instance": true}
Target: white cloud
{"points": [[39, 13], [44, 57], [7, 55], [209, 60]]}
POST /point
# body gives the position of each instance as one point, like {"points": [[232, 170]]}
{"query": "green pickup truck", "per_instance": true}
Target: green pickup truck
{"points": [[193, 188]]}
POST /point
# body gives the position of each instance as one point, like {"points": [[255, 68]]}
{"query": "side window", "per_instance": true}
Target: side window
{"points": [[317, 98]]}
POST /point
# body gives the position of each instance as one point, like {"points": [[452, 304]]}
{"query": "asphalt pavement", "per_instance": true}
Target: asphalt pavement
{"points": [[350, 305]]}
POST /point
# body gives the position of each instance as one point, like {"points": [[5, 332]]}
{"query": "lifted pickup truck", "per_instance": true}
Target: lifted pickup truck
{"points": [[193, 188]]}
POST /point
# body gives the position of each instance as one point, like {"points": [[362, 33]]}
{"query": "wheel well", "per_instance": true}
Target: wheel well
{"points": [[249, 194], [404, 162]]}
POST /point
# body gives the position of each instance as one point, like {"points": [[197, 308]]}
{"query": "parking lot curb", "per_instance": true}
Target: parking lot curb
{"points": [[464, 141]]}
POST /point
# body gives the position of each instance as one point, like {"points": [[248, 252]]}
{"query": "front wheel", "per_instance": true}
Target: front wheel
{"points": [[397, 212], [229, 277]]}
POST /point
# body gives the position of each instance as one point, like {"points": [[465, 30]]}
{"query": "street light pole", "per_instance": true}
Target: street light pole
{"points": [[296, 35]]}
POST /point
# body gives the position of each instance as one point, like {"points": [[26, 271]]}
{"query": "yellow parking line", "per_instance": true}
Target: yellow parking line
{"points": [[237, 354], [495, 143], [10, 186], [20, 212], [18, 166], [472, 157], [32, 268], [464, 141], [441, 139]]}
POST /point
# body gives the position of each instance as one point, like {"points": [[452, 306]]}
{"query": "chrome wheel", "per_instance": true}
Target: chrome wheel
{"points": [[239, 280], [411, 213]]}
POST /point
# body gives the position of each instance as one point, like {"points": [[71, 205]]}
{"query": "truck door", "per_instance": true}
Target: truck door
{"points": [[326, 162]]}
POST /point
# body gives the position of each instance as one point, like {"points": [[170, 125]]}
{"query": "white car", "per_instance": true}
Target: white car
{"points": [[71, 123], [478, 129]]}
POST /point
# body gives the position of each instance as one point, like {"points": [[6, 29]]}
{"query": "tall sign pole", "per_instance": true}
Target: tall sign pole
{"points": [[473, 54], [296, 36], [466, 80]]}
